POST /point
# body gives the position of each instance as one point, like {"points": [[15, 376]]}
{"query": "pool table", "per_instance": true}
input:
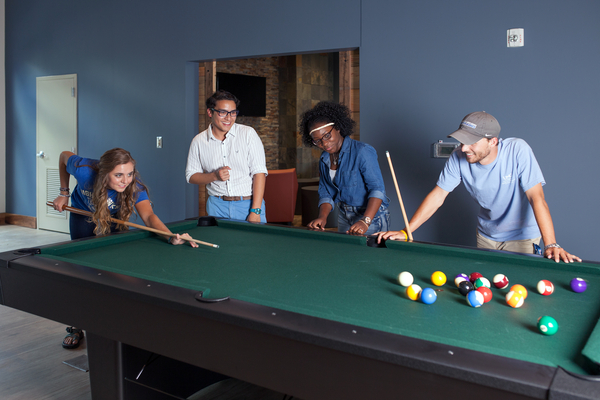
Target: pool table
{"points": [[310, 314]]}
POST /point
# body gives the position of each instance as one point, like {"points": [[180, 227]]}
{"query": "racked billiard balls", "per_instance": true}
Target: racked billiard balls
{"points": [[413, 292], [519, 289], [578, 285], [547, 325], [460, 278], [474, 275], [500, 281], [475, 298], [486, 292], [514, 299], [438, 278], [405, 279], [428, 296], [465, 287], [545, 287]]}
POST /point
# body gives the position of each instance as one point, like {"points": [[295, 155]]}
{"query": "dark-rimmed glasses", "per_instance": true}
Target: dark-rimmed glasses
{"points": [[325, 137], [225, 113]]}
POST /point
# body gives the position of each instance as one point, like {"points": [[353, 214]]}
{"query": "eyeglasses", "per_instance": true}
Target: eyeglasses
{"points": [[225, 113], [325, 137]]}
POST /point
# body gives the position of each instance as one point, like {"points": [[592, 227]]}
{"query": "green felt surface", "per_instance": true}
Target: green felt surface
{"points": [[338, 277]]}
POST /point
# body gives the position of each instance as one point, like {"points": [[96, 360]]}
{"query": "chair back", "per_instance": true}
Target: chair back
{"points": [[281, 190]]}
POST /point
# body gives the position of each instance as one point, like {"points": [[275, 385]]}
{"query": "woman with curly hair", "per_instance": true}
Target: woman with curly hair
{"points": [[349, 172], [107, 187]]}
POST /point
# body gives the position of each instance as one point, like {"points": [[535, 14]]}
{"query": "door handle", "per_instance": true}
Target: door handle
{"points": [[40, 154]]}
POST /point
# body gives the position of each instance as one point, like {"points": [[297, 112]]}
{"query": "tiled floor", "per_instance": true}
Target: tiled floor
{"points": [[31, 355]]}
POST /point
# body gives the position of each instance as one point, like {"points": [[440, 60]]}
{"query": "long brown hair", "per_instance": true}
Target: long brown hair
{"points": [[125, 200]]}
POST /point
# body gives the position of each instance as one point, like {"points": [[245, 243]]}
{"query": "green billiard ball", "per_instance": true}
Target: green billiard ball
{"points": [[547, 325]]}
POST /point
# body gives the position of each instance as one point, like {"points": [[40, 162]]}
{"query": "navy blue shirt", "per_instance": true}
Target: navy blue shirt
{"points": [[81, 169], [357, 178]]}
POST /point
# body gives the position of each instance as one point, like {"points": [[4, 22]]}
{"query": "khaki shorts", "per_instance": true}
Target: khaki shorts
{"points": [[517, 246]]}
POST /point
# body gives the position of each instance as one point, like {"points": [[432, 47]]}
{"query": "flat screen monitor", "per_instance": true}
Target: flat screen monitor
{"points": [[250, 90]]}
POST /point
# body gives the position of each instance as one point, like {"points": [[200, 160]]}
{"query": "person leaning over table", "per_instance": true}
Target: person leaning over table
{"points": [[229, 159], [504, 178], [349, 172], [107, 187]]}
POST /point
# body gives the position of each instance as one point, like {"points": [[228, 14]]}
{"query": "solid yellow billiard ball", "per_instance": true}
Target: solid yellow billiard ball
{"points": [[438, 278]]}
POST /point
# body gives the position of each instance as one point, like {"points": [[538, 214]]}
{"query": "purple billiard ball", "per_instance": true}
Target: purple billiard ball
{"points": [[578, 285]]}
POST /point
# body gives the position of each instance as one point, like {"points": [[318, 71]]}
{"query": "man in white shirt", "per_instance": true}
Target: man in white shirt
{"points": [[229, 159]]}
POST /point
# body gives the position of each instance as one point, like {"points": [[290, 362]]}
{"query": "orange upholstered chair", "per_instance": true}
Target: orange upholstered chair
{"points": [[281, 190]]}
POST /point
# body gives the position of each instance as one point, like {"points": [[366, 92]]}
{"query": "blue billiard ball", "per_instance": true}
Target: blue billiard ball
{"points": [[578, 285], [428, 296]]}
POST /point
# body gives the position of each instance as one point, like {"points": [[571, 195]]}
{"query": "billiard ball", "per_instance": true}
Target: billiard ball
{"points": [[438, 278], [465, 287], [514, 299], [578, 285], [460, 278], [547, 325], [413, 292], [475, 298], [481, 282], [405, 279], [473, 277], [545, 287], [500, 281], [428, 296], [519, 289], [486, 292]]}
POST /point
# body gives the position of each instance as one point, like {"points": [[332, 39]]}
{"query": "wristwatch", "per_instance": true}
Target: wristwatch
{"points": [[256, 211], [367, 220]]}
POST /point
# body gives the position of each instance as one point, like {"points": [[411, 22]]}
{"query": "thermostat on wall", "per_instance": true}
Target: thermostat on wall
{"points": [[443, 150]]}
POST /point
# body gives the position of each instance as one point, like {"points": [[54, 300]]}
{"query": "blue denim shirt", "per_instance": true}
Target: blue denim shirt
{"points": [[358, 176]]}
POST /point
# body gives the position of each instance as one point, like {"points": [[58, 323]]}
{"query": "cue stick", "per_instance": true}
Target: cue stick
{"points": [[408, 231], [143, 227]]}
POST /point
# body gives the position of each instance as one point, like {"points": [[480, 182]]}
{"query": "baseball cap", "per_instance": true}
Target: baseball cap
{"points": [[476, 126]]}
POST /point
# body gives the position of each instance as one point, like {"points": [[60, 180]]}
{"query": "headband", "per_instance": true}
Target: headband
{"points": [[321, 127]]}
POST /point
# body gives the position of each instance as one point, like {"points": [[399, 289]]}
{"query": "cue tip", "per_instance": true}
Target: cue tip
{"points": [[387, 153]]}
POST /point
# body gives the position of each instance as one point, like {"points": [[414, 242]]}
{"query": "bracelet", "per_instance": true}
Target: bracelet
{"points": [[65, 189], [364, 222], [405, 235], [64, 195], [551, 245]]}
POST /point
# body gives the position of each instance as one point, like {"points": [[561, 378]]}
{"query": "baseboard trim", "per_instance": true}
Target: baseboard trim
{"points": [[20, 220]]}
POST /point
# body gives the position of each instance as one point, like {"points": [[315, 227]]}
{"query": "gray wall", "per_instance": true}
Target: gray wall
{"points": [[424, 65]]}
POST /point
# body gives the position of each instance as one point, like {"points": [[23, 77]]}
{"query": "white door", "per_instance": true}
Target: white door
{"points": [[56, 131]]}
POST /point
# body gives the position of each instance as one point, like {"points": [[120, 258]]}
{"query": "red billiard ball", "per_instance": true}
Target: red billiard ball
{"points": [[473, 277], [500, 281], [545, 287], [486, 292]]}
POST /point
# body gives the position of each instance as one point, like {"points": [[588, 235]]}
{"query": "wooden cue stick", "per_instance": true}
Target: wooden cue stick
{"points": [[410, 237], [143, 227]]}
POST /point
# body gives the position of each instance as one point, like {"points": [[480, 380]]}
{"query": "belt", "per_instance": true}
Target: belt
{"points": [[234, 198]]}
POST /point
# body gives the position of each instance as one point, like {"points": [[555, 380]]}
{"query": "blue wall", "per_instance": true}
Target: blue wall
{"points": [[424, 65]]}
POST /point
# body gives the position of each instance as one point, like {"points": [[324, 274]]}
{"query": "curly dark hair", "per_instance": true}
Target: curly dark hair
{"points": [[211, 102], [326, 112]]}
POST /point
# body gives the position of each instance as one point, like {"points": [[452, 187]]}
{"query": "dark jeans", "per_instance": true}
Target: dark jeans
{"points": [[80, 227]]}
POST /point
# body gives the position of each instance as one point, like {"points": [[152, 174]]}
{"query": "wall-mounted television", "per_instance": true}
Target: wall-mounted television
{"points": [[250, 90]]}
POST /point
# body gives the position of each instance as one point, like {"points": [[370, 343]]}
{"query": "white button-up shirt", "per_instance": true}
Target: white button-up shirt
{"points": [[242, 151]]}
